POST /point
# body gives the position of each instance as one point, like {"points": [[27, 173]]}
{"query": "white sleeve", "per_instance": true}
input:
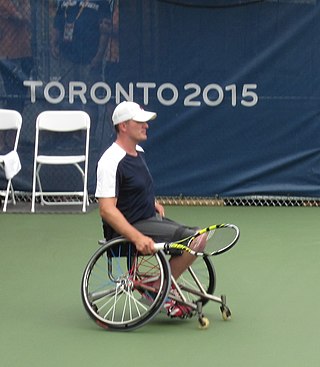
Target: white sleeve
{"points": [[107, 172]]}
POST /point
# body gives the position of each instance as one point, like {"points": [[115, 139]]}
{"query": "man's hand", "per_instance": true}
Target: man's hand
{"points": [[144, 244], [112, 215], [159, 209]]}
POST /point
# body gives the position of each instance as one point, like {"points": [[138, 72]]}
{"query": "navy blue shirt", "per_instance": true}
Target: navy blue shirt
{"points": [[128, 179], [134, 188]]}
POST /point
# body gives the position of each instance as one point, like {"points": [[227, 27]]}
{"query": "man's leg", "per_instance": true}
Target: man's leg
{"points": [[166, 230], [179, 264]]}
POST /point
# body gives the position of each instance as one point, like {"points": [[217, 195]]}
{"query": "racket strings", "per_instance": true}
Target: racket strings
{"points": [[210, 234], [209, 241], [219, 238]]}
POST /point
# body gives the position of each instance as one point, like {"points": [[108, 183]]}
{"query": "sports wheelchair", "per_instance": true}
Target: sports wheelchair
{"points": [[118, 280]]}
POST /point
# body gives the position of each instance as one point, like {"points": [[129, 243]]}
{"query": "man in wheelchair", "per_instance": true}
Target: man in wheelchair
{"points": [[125, 192]]}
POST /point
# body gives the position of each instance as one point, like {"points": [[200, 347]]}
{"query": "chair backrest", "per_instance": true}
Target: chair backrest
{"points": [[63, 121], [11, 120]]}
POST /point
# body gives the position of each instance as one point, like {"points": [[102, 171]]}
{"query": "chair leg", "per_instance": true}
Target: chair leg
{"points": [[34, 187], [9, 186], [85, 200]]}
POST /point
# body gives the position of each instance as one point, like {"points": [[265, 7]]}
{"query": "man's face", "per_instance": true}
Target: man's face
{"points": [[137, 130]]}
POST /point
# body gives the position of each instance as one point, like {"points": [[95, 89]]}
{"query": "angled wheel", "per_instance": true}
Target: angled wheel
{"points": [[200, 276], [122, 289]]}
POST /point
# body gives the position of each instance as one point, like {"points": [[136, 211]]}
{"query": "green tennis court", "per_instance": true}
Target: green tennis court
{"points": [[270, 278]]}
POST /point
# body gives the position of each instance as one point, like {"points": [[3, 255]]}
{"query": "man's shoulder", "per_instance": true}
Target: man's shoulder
{"points": [[113, 154]]}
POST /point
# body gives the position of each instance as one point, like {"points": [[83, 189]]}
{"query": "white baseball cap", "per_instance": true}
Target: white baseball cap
{"points": [[131, 111]]}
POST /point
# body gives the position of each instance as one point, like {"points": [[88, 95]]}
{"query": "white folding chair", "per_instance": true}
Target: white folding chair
{"points": [[64, 122], [10, 120]]}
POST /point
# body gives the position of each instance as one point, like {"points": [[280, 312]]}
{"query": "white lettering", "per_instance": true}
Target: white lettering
{"points": [[94, 96], [217, 89], [120, 91], [55, 86], [146, 87], [188, 101], [33, 84], [246, 93], [167, 94], [233, 89], [77, 89], [170, 87]]}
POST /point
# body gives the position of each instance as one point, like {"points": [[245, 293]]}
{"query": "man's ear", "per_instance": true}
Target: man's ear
{"points": [[122, 126]]}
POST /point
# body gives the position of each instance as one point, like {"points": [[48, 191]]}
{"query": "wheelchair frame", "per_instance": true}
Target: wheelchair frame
{"points": [[118, 289]]}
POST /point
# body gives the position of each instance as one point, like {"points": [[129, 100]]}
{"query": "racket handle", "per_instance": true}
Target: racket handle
{"points": [[160, 246]]}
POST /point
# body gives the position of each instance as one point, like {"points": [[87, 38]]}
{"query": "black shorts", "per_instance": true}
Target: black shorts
{"points": [[159, 229], [164, 229]]}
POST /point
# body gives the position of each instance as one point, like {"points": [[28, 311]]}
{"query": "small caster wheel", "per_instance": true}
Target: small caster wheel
{"points": [[203, 323], [226, 314]]}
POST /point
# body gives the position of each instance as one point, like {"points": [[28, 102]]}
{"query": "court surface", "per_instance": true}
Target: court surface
{"points": [[271, 279]]}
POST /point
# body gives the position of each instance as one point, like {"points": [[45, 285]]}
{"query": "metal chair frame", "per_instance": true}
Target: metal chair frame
{"points": [[9, 120], [62, 122]]}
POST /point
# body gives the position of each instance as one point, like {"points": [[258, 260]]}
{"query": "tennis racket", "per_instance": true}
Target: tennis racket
{"points": [[220, 238]]}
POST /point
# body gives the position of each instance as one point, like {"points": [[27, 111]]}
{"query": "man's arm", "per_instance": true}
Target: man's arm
{"points": [[112, 215]]}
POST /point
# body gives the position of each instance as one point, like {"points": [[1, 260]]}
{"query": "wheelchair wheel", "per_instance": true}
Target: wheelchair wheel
{"points": [[199, 278], [117, 288]]}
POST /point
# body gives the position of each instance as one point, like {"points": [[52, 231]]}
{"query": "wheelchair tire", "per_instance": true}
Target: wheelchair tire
{"points": [[117, 286]]}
